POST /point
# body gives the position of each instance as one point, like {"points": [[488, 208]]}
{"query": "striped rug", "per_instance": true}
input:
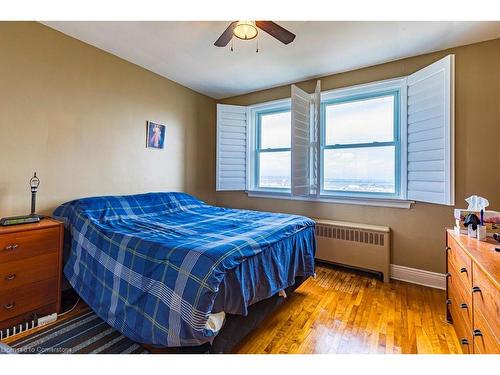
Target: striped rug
{"points": [[85, 333]]}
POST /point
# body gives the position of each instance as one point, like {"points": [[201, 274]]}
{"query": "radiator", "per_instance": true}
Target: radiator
{"points": [[362, 246]]}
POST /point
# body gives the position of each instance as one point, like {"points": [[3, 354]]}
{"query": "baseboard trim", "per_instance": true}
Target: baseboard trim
{"points": [[417, 276]]}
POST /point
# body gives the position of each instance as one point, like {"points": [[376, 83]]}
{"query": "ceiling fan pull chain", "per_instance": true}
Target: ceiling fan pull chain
{"points": [[257, 50], [232, 46]]}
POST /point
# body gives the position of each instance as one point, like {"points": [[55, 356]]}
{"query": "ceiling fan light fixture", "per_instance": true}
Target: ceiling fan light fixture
{"points": [[245, 30]]}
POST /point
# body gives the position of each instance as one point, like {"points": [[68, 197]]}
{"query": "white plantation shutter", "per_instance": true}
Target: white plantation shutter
{"points": [[231, 166], [301, 135], [305, 138], [430, 133], [315, 140]]}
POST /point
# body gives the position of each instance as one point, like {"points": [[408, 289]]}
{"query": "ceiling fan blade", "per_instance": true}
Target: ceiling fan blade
{"points": [[226, 36], [275, 30]]}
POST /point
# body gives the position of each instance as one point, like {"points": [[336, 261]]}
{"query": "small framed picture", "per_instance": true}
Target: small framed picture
{"points": [[155, 135]]}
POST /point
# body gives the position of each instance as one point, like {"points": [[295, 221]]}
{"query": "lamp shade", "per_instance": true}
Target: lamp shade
{"points": [[245, 30]]}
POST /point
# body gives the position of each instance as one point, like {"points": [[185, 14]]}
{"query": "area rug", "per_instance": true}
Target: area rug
{"points": [[82, 334]]}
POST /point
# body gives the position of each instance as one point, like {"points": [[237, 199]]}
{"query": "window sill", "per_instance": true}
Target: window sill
{"points": [[361, 201]]}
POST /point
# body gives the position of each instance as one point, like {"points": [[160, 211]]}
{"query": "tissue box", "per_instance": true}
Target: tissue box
{"points": [[491, 220]]}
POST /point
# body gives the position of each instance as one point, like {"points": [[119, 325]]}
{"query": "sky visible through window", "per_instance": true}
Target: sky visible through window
{"points": [[276, 130], [362, 121], [358, 169], [275, 166]]}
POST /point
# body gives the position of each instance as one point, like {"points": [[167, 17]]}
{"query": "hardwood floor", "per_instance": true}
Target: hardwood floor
{"points": [[344, 312]]}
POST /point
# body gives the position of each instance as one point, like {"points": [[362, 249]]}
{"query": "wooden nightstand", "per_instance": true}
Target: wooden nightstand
{"points": [[30, 271]]}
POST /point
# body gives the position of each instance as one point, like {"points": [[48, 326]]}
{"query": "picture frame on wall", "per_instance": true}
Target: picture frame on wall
{"points": [[155, 135]]}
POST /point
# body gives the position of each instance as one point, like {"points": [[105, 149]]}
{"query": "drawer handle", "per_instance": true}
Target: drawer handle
{"points": [[13, 246], [464, 306], [9, 306], [464, 342], [448, 274], [477, 332], [10, 277], [476, 289], [448, 248], [448, 301], [463, 270]]}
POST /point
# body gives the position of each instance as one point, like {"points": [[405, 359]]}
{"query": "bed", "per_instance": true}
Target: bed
{"points": [[168, 270]]}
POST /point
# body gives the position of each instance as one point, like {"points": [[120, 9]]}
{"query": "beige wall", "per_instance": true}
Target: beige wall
{"points": [[418, 233], [77, 115]]}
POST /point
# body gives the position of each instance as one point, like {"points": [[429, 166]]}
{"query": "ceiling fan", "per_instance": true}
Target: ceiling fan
{"points": [[248, 30]]}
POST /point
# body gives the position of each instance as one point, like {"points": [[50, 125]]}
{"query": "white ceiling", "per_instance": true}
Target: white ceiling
{"points": [[184, 51]]}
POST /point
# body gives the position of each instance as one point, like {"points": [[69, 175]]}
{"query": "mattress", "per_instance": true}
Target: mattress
{"points": [[157, 266]]}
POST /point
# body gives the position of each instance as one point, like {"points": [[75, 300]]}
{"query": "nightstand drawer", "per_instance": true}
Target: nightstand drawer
{"points": [[26, 271], [27, 298], [26, 244]]}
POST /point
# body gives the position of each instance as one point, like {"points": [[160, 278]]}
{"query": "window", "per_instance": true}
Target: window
{"points": [[379, 143], [360, 145], [273, 149]]}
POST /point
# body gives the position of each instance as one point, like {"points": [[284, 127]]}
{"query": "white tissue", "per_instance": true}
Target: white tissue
{"points": [[477, 203]]}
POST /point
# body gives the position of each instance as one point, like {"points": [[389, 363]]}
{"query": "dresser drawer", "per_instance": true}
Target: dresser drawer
{"points": [[27, 298], [26, 271], [485, 341], [457, 286], [457, 252], [462, 300], [460, 265], [25, 244], [486, 299], [463, 328]]}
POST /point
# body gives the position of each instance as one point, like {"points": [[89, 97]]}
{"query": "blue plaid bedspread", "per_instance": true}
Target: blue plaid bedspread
{"points": [[151, 264]]}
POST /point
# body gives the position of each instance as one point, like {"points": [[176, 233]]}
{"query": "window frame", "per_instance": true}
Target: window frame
{"points": [[398, 85], [256, 113], [259, 150], [396, 143]]}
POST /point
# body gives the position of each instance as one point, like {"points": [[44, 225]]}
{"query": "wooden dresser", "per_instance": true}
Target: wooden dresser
{"points": [[473, 292], [30, 271]]}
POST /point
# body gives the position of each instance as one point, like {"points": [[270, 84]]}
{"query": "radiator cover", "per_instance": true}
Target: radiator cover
{"points": [[362, 246]]}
